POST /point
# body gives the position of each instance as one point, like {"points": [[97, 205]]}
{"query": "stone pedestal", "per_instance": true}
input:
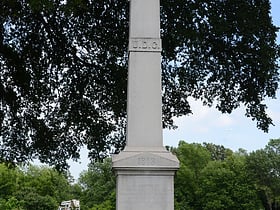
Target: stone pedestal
{"points": [[145, 180]]}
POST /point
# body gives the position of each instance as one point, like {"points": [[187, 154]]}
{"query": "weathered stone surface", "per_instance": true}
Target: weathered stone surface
{"points": [[145, 191], [144, 128], [145, 159]]}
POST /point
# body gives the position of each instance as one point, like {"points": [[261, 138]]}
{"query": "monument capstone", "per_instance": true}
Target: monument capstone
{"points": [[144, 169]]}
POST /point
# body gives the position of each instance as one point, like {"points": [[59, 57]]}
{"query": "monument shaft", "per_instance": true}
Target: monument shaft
{"points": [[144, 170], [144, 124]]}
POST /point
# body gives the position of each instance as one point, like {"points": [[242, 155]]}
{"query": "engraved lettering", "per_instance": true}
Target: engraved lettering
{"points": [[153, 161], [146, 161], [145, 44], [155, 45], [135, 44], [141, 161]]}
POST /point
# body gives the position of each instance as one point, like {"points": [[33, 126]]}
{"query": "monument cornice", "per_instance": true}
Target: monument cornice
{"points": [[152, 160]]}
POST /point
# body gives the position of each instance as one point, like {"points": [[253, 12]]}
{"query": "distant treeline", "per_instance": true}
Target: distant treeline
{"points": [[210, 177]]}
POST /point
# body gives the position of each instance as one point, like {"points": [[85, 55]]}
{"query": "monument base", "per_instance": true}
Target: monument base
{"points": [[145, 180]]}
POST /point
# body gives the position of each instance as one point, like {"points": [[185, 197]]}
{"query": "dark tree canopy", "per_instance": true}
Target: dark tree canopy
{"points": [[63, 70]]}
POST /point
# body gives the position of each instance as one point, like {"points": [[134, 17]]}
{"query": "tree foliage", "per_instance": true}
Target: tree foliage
{"points": [[63, 70], [8, 181], [98, 186], [33, 188], [218, 152], [207, 182], [193, 158], [264, 167], [228, 185]]}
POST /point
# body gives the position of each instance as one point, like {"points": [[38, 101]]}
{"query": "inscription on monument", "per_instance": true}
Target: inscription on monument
{"points": [[145, 44], [146, 161]]}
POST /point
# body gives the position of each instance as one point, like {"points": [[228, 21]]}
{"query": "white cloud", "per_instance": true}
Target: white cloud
{"points": [[224, 120]]}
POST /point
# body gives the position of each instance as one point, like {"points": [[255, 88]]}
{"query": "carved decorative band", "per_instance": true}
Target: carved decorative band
{"points": [[144, 45]]}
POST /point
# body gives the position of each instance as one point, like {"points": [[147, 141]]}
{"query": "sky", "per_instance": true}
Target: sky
{"points": [[206, 124]]}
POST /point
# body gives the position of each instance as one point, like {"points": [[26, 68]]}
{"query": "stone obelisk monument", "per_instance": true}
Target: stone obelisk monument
{"points": [[145, 170]]}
